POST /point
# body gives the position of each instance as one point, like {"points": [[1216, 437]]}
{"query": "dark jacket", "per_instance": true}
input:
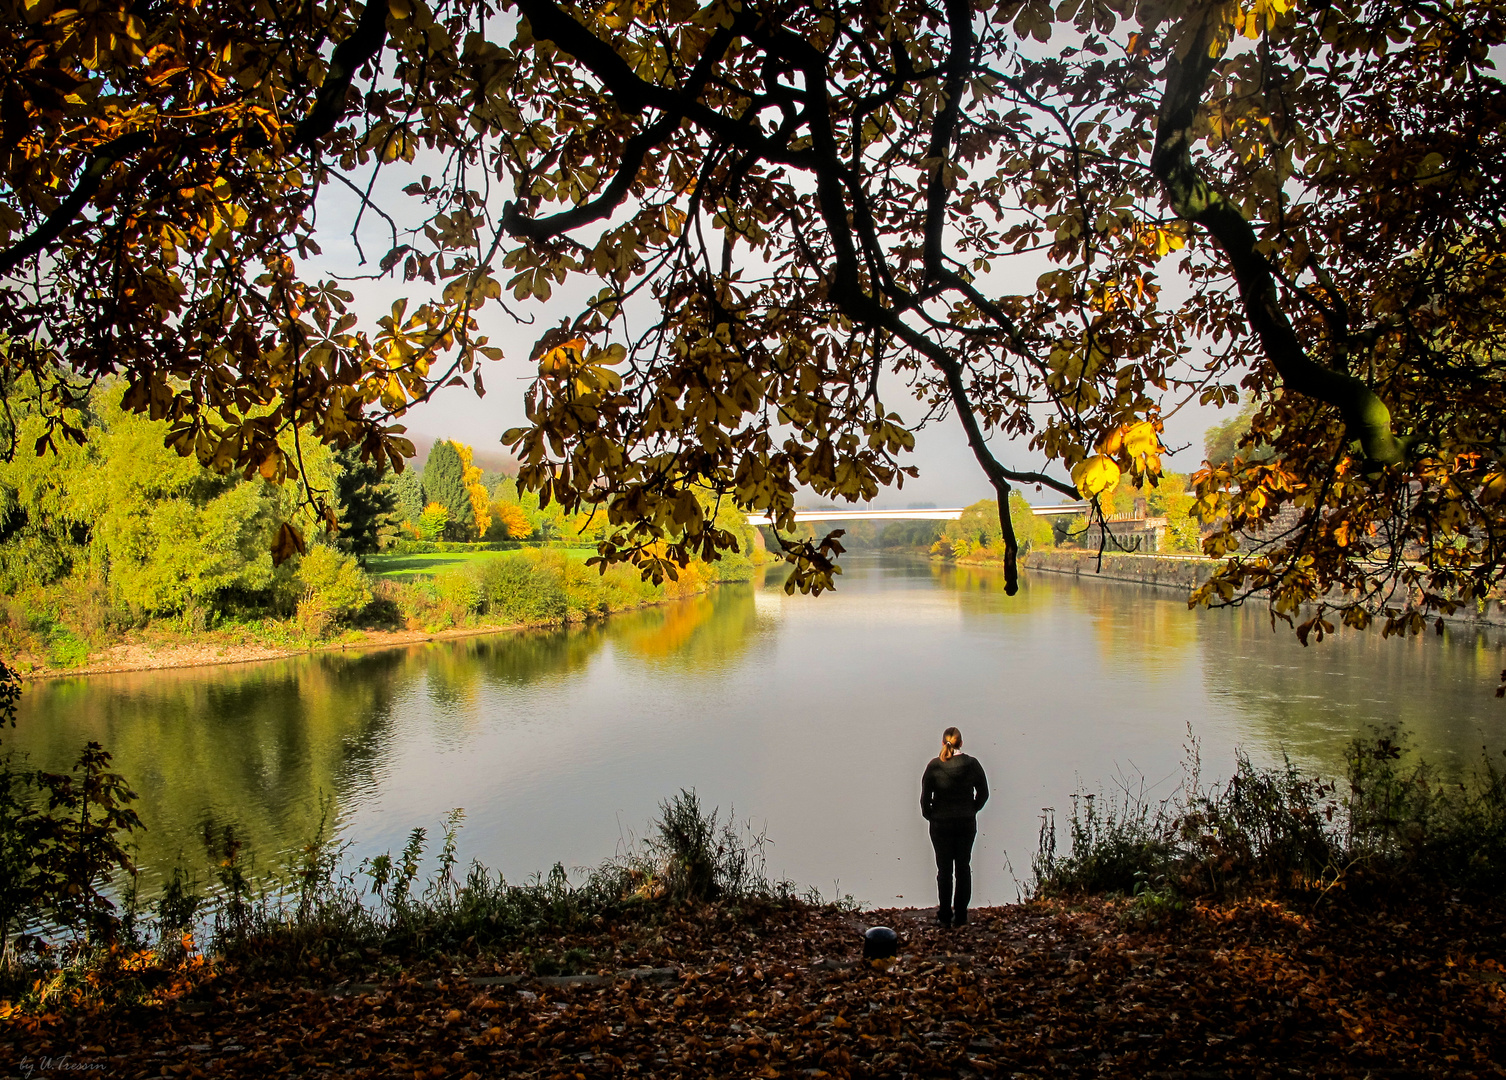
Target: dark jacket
{"points": [[953, 790]]}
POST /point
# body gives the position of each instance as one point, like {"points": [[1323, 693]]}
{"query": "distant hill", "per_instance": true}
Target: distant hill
{"points": [[492, 461]]}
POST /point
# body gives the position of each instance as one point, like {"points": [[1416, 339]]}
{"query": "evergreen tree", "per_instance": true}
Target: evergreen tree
{"points": [[368, 503], [411, 500], [444, 483]]}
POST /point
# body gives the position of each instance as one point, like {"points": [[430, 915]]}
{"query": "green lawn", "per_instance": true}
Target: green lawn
{"points": [[408, 567]]}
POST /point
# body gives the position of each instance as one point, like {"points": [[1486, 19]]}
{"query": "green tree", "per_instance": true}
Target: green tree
{"points": [[1223, 440], [433, 522], [920, 533], [444, 483], [44, 526], [169, 532], [411, 499], [334, 588], [368, 503], [979, 532], [976, 531]]}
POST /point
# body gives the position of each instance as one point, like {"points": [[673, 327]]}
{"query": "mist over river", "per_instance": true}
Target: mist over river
{"points": [[812, 716]]}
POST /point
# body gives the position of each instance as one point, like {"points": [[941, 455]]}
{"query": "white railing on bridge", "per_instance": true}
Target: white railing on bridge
{"points": [[928, 514]]}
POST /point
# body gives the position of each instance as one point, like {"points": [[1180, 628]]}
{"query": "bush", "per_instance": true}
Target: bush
{"points": [[62, 837], [1408, 816], [334, 589], [700, 857], [435, 547], [65, 649], [460, 592], [384, 612], [526, 588], [1273, 827]]}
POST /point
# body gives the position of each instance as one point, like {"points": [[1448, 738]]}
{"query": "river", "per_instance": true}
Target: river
{"points": [[813, 717]]}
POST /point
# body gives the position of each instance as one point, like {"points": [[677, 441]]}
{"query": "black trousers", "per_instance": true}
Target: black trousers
{"points": [[953, 841]]}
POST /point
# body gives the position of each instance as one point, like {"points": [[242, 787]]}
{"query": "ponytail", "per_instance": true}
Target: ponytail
{"points": [[951, 742]]}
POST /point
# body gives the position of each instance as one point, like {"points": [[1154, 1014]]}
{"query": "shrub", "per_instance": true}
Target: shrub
{"points": [[700, 857], [65, 649], [526, 588], [415, 547], [334, 589], [385, 611], [1408, 816], [1274, 827], [460, 592], [62, 837]]}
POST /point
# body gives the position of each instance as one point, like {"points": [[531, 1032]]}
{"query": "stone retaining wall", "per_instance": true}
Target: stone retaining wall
{"points": [[1168, 571], [1186, 572]]}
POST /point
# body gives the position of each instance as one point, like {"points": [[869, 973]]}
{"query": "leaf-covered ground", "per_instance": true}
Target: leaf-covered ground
{"points": [[1254, 989]]}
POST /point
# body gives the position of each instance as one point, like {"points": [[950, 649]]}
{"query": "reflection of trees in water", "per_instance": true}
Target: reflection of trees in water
{"points": [[249, 745], [982, 581], [1314, 701], [456, 674], [704, 631], [1145, 629], [517, 659]]}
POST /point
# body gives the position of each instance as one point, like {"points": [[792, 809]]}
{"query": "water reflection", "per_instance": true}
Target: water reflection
{"points": [[816, 715]]}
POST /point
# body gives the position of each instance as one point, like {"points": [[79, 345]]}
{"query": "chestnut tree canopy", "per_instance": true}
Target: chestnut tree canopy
{"points": [[772, 222]]}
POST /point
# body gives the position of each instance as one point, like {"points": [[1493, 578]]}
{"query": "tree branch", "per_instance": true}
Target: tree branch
{"points": [[633, 94], [1194, 199], [102, 161], [958, 63], [368, 38], [633, 154]]}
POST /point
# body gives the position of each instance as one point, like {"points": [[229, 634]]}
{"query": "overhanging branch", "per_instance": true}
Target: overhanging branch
{"points": [[1194, 199]]}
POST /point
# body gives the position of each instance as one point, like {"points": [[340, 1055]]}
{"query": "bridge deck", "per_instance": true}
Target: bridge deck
{"points": [[948, 514]]}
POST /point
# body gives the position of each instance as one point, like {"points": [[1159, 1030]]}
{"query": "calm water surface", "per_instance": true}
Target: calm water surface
{"points": [[812, 717]]}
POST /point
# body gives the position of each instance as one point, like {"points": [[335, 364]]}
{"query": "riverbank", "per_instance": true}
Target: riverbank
{"points": [[164, 654], [1257, 987]]}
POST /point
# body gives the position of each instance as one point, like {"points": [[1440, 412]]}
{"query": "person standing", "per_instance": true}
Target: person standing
{"points": [[952, 791]]}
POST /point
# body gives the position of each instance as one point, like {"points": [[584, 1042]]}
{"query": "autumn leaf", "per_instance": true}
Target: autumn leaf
{"points": [[289, 542], [1095, 475]]}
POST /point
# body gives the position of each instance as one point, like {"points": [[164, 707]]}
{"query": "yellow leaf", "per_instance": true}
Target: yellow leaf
{"points": [[1141, 439], [561, 358], [1095, 475]]}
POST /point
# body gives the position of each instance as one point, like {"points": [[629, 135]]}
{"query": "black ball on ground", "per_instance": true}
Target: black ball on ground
{"points": [[880, 943]]}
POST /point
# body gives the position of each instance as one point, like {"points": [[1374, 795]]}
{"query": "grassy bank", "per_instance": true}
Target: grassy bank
{"points": [[406, 567], [401, 598]]}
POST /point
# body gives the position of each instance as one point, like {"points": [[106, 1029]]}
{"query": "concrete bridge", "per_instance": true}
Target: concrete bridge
{"points": [[949, 514]]}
